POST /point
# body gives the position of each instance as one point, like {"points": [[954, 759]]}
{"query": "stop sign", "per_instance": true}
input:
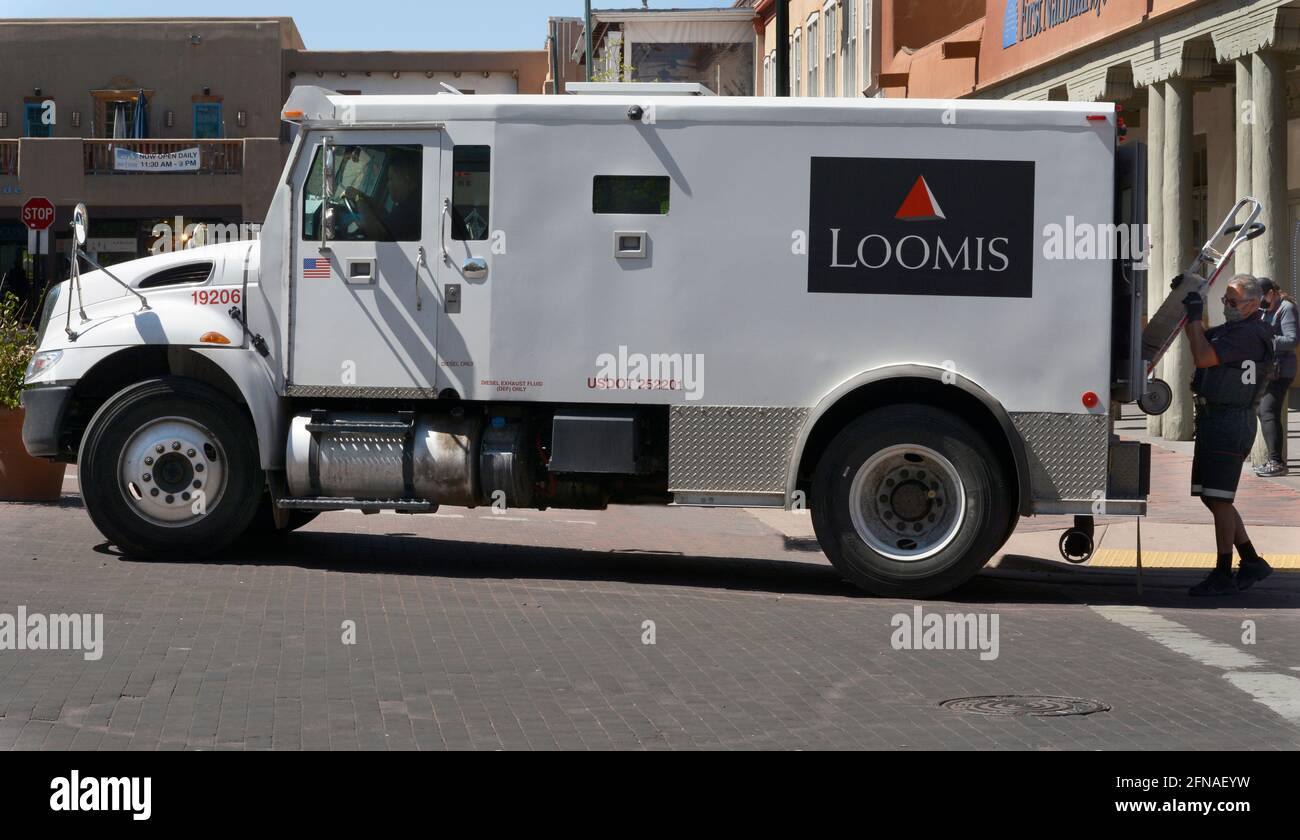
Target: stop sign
{"points": [[38, 213]]}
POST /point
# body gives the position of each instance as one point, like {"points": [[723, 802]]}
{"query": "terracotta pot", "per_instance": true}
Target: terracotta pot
{"points": [[22, 477]]}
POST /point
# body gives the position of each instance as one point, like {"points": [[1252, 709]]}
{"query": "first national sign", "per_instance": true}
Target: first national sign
{"points": [[38, 213]]}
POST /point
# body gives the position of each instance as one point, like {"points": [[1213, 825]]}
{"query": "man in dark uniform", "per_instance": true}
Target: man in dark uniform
{"points": [[394, 216], [1232, 363]]}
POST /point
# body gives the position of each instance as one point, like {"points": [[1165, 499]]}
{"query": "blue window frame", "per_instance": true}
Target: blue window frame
{"points": [[32, 125], [207, 120]]}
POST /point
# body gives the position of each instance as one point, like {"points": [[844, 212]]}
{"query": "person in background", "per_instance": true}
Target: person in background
{"points": [[1230, 360], [1279, 312]]}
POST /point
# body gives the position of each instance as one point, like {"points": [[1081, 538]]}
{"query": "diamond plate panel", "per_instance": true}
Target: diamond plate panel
{"points": [[1068, 454], [731, 449], [359, 392]]}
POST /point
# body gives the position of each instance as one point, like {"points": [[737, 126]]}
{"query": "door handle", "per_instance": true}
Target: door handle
{"points": [[442, 230], [420, 261], [475, 268]]}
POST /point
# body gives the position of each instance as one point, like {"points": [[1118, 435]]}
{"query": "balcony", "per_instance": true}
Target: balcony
{"points": [[216, 157], [8, 157]]}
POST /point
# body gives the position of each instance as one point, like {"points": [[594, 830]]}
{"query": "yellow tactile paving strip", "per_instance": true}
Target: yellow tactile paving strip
{"points": [[1127, 558]]}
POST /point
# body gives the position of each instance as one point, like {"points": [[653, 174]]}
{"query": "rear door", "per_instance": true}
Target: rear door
{"points": [[364, 304]]}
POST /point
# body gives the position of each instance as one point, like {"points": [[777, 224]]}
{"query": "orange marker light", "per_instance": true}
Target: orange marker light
{"points": [[293, 115], [1091, 400], [213, 338]]}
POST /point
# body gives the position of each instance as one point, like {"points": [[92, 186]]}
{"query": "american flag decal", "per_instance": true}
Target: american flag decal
{"points": [[317, 267]]}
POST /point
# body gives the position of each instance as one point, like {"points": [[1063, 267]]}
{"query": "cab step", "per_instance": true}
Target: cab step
{"points": [[349, 503]]}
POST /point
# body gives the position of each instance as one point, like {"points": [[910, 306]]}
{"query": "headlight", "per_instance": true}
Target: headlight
{"points": [[42, 362], [51, 299]]}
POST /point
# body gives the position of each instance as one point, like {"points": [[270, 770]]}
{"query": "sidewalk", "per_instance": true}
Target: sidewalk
{"points": [[1177, 532]]}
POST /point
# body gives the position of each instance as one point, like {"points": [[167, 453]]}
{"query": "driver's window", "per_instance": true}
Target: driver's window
{"points": [[377, 194]]}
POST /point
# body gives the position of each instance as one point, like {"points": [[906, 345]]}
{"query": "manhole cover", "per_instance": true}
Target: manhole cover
{"points": [[1012, 705]]}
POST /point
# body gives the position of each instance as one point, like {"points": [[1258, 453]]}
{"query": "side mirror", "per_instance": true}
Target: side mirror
{"points": [[80, 224], [326, 213]]}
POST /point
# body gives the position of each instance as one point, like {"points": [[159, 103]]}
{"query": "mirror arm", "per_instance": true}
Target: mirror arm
{"points": [[144, 303], [327, 188]]}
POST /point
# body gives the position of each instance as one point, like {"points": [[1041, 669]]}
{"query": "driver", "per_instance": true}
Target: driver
{"points": [[395, 217]]}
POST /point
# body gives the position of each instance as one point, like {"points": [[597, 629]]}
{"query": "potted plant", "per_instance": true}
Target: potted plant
{"points": [[22, 477]]}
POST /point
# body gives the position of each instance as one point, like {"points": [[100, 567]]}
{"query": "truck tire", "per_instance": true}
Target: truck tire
{"points": [[908, 501], [150, 452]]}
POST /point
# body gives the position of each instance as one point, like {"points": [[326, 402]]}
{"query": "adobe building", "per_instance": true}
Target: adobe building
{"points": [[72, 128]]}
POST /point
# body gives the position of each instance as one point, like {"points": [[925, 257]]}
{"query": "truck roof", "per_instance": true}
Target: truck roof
{"points": [[318, 107]]}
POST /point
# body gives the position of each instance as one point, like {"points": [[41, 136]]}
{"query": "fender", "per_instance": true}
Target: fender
{"points": [[915, 371], [270, 412]]}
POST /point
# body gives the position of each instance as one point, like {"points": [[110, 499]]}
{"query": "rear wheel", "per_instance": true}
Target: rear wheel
{"points": [[910, 501], [169, 471]]}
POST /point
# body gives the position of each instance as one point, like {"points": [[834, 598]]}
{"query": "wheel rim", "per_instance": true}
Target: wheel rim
{"points": [[172, 472], [907, 502]]}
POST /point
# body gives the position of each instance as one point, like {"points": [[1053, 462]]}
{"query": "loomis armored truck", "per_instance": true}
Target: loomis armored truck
{"points": [[573, 301]]}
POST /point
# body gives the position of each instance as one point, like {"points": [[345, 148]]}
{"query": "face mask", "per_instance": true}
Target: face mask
{"points": [[1230, 314]]}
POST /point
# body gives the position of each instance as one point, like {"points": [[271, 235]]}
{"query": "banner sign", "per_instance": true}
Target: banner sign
{"points": [[129, 160]]}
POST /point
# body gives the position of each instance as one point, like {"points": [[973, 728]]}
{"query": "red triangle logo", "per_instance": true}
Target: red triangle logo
{"points": [[920, 204]]}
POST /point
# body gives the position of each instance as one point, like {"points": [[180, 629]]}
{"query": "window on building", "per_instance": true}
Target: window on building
{"points": [[34, 124], [377, 194], [831, 47], [1200, 188], [868, 80], [207, 120], [767, 75], [725, 68], [850, 48], [796, 65], [813, 49], [471, 191], [642, 194]]}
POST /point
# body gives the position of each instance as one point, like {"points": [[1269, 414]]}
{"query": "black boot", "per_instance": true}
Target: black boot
{"points": [[1217, 582]]}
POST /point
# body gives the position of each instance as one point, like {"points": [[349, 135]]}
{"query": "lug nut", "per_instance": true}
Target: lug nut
{"points": [[176, 446], [185, 496], [148, 477], [159, 449], [153, 492], [148, 462], [170, 499], [197, 484], [198, 468], [190, 453]]}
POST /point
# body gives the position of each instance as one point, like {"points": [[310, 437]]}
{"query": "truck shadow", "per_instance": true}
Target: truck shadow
{"points": [[409, 554]]}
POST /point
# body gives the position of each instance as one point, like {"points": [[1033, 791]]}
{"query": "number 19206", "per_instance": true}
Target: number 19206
{"points": [[215, 297]]}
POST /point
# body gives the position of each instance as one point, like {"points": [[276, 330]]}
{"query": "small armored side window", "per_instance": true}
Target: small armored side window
{"points": [[636, 194], [471, 191]]}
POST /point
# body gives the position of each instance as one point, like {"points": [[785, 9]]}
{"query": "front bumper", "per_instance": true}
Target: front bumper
{"points": [[44, 407]]}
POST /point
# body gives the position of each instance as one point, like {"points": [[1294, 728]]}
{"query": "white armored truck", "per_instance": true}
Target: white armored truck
{"points": [[854, 306]]}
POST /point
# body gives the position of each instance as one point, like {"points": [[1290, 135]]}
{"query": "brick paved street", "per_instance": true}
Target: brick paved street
{"points": [[525, 631]]}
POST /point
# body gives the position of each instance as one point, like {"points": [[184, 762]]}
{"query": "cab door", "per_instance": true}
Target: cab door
{"points": [[364, 301]]}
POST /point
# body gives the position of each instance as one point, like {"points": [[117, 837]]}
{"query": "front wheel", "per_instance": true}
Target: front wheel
{"points": [[909, 501], [169, 470]]}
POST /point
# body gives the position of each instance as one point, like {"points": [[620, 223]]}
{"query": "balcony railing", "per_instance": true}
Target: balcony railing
{"points": [[216, 157], [8, 157]]}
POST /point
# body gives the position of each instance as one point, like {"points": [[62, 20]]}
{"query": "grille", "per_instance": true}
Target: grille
{"points": [[178, 275]]}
